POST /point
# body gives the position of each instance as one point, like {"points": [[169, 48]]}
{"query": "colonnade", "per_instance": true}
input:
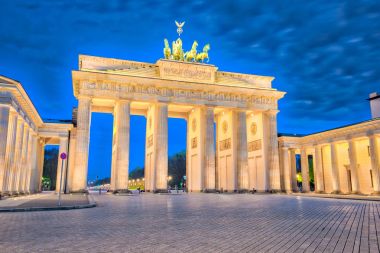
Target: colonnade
{"points": [[20, 161], [349, 165], [211, 166]]}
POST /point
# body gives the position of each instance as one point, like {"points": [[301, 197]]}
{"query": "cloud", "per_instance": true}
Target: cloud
{"points": [[324, 54]]}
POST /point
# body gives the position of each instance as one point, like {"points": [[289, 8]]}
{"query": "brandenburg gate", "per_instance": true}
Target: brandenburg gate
{"points": [[242, 106], [232, 139]]}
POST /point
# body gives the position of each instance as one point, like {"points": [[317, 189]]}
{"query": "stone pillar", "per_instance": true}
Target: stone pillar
{"points": [[209, 151], [293, 170], [28, 164], [4, 126], [161, 138], [82, 146], [63, 142], [31, 182], [353, 166], [24, 153], [242, 152], [40, 163], [334, 168], [305, 171], [272, 150], [121, 145], [14, 176], [10, 152], [320, 187], [375, 162], [286, 169], [71, 160]]}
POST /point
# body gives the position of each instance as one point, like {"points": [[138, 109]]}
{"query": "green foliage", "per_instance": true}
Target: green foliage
{"points": [[299, 177], [138, 172], [46, 183], [177, 168], [311, 169]]}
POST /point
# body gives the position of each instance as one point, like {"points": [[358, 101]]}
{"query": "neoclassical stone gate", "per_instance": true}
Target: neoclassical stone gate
{"points": [[244, 108]]}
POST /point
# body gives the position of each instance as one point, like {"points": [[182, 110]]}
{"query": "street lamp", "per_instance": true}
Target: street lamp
{"points": [[168, 180]]}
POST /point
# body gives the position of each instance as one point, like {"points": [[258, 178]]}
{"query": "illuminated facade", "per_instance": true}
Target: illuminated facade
{"points": [[237, 110], [243, 107], [23, 135]]}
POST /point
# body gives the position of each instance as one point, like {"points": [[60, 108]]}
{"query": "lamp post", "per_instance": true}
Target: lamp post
{"points": [[168, 180]]}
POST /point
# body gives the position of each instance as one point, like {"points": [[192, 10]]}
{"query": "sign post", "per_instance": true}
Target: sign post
{"points": [[63, 157]]}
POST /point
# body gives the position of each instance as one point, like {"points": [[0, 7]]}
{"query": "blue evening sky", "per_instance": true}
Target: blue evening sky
{"points": [[324, 54]]}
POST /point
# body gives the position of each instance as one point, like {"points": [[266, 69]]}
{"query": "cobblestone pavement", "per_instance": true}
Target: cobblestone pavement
{"points": [[198, 223], [46, 199]]}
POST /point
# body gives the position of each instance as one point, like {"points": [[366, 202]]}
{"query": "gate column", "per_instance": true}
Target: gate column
{"points": [[156, 149], [82, 146], [120, 150]]}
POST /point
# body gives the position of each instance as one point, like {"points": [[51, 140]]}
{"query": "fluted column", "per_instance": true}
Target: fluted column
{"points": [[30, 184], [40, 162], [24, 152], [272, 154], [209, 150], [293, 170], [61, 167], [4, 125], [14, 176], [334, 168], [320, 187], [121, 144], [305, 171], [286, 169], [82, 145], [242, 152], [375, 162], [353, 166], [28, 164], [161, 159], [10, 152]]}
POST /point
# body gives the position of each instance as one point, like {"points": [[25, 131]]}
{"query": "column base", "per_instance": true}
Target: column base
{"points": [[243, 191], [320, 192], [376, 193], [275, 191], [336, 192], [122, 191], [161, 191], [82, 191], [305, 191], [209, 191]]}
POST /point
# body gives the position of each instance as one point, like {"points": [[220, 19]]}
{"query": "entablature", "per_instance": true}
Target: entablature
{"points": [[101, 85], [343, 134]]}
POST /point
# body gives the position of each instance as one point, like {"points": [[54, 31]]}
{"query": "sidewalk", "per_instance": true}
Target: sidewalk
{"points": [[338, 196], [46, 201]]}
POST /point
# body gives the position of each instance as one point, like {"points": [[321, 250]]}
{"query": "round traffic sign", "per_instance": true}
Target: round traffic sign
{"points": [[63, 155]]}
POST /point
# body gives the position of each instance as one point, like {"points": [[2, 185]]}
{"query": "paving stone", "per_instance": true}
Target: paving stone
{"points": [[198, 223]]}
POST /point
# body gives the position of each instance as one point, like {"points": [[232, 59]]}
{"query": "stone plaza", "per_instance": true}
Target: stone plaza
{"points": [[198, 223]]}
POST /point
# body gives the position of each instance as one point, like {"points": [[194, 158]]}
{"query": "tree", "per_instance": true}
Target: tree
{"points": [[138, 172], [177, 168]]}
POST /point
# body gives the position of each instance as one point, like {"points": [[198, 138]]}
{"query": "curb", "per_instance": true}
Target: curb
{"points": [[91, 204], [338, 197]]}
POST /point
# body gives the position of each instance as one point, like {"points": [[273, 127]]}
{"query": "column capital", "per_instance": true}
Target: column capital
{"points": [[272, 112], [122, 101], [83, 97]]}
